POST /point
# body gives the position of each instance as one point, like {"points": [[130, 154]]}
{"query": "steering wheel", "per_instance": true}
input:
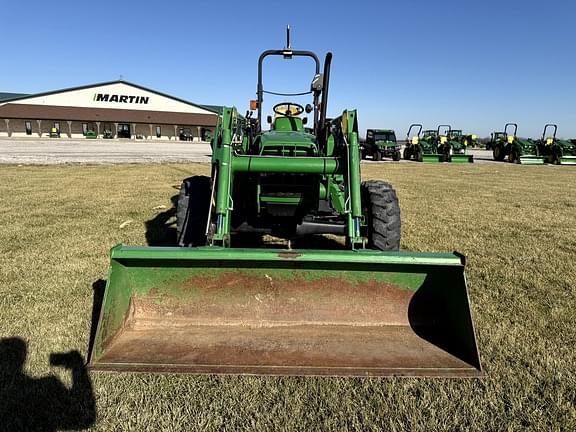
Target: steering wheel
{"points": [[288, 109]]}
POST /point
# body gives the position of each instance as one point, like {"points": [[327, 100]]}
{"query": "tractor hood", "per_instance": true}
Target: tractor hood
{"points": [[288, 142]]}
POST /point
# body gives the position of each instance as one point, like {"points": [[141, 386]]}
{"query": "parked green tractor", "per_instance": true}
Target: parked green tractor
{"points": [[429, 145], [556, 151], [521, 151], [451, 145], [507, 145], [471, 140], [413, 149], [444, 147], [497, 143], [458, 147], [381, 143], [360, 308]]}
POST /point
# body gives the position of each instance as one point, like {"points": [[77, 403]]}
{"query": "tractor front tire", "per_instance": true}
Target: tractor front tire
{"points": [[418, 155], [556, 155], [382, 212], [192, 211], [406, 154], [377, 156], [514, 156], [396, 156]]}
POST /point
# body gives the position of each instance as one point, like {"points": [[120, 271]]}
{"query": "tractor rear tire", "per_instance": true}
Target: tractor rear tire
{"points": [[380, 206], [498, 153], [192, 211]]}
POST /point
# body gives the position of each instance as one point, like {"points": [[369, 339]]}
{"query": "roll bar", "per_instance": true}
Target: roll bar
{"points": [[410, 129], [510, 124], [546, 127], [441, 126]]}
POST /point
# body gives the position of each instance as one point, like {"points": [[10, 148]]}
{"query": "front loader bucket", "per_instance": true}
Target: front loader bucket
{"points": [[531, 160], [278, 312], [462, 158]]}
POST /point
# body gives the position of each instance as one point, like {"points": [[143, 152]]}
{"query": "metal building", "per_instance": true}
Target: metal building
{"points": [[115, 109]]}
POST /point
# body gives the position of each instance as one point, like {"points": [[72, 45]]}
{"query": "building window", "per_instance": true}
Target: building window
{"points": [[84, 128], [28, 128], [158, 131]]}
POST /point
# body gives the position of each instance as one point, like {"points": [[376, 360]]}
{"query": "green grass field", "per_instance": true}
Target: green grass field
{"points": [[516, 225]]}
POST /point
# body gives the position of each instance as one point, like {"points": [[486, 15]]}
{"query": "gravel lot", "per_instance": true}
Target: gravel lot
{"points": [[52, 152]]}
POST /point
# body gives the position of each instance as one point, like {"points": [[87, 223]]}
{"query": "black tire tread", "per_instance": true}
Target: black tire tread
{"points": [[192, 211], [418, 156], [406, 154], [383, 215]]}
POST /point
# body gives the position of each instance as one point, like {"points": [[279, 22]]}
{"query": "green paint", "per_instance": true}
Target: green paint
{"points": [[281, 200]]}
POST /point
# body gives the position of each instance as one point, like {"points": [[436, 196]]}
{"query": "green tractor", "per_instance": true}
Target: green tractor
{"points": [[554, 150], [507, 145], [471, 140], [381, 143], [413, 149], [444, 145], [497, 143], [360, 308], [458, 144], [423, 147], [452, 145], [521, 151], [429, 145]]}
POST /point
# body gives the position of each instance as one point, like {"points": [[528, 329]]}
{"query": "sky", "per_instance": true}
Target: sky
{"points": [[474, 65]]}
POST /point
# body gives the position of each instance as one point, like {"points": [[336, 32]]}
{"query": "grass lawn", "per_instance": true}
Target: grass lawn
{"points": [[516, 225]]}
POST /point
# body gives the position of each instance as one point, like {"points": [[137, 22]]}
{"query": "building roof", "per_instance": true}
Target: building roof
{"points": [[44, 112], [215, 108], [6, 96], [27, 96]]}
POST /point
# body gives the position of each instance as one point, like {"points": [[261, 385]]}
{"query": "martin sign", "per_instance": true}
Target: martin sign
{"points": [[105, 97]]}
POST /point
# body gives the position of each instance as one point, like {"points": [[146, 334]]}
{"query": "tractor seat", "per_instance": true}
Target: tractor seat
{"points": [[288, 124]]}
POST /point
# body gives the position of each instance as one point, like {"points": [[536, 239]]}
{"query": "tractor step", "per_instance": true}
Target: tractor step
{"points": [[212, 310]]}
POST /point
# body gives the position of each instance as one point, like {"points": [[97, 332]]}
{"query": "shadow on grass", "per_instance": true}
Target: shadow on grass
{"points": [[159, 230], [43, 404]]}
